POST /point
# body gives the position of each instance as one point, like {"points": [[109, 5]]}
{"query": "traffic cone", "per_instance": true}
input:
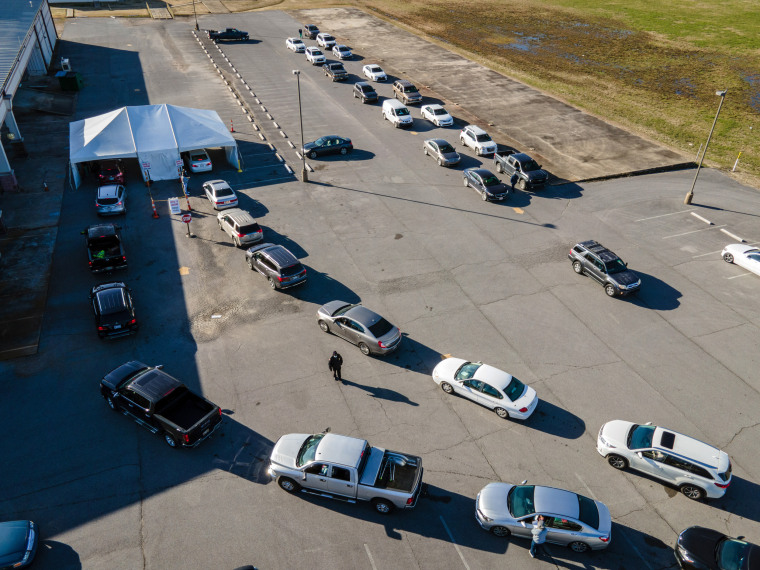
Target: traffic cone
{"points": [[45, 187], [232, 128], [155, 212]]}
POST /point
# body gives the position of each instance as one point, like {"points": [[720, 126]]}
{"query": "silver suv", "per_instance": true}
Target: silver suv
{"points": [[281, 268], [593, 259], [240, 226]]}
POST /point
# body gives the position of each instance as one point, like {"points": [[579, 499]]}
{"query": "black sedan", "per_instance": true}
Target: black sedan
{"points": [[365, 92], [329, 144], [114, 310], [486, 183], [700, 548]]}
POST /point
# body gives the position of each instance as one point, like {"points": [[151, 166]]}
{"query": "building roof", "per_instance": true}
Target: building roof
{"points": [[16, 19]]}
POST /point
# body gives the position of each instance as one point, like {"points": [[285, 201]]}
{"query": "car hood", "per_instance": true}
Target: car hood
{"points": [[497, 189], [286, 449], [625, 277], [534, 175], [492, 500], [329, 308], [700, 542], [445, 369], [13, 537], [309, 146], [616, 432]]}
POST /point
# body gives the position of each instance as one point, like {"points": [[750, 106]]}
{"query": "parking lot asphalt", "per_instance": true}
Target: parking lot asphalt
{"points": [[459, 276]]}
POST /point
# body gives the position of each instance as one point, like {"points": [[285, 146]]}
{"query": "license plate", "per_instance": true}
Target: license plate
{"points": [[116, 327]]}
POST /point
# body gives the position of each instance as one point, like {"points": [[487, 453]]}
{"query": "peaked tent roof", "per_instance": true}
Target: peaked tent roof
{"points": [[105, 136], [152, 128], [198, 128]]}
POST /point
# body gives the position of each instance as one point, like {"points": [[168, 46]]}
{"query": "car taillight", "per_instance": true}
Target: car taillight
{"points": [[102, 328], [90, 263], [280, 278], [523, 410], [723, 485], [258, 231], [186, 437], [220, 412], [241, 235], [218, 203], [380, 344], [123, 257], [410, 500], [604, 538], [133, 321], [119, 204]]}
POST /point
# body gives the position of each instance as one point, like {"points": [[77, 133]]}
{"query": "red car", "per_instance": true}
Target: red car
{"points": [[110, 172]]}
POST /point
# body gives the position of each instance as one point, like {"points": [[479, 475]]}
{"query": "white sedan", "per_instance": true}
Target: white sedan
{"points": [[315, 56], [374, 72], [295, 45], [743, 256], [488, 386], [342, 52], [437, 115], [220, 194]]}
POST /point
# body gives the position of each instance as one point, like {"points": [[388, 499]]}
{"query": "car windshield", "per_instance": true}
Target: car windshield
{"points": [[640, 437], [440, 111], [328, 38], [337, 67], [292, 270], [589, 513], [381, 328], [615, 266], [320, 141], [446, 148], [515, 389], [375, 69], [220, 192], [731, 554], [343, 48], [530, 165], [402, 112], [343, 310], [520, 501], [467, 370], [316, 52], [484, 137], [309, 449], [366, 88], [490, 180]]}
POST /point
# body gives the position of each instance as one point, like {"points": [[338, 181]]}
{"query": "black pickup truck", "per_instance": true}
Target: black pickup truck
{"points": [[228, 34], [335, 71], [529, 173], [104, 248], [160, 403]]}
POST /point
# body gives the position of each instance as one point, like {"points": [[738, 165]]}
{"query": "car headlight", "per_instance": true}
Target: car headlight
{"points": [[603, 441], [484, 517], [685, 555]]}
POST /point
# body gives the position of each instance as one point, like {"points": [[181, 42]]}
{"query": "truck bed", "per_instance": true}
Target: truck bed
{"points": [[391, 470], [186, 410]]}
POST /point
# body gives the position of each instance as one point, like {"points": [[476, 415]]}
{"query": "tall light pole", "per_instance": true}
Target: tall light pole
{"points": [[196, 17], [690, 195], [304, 174]]}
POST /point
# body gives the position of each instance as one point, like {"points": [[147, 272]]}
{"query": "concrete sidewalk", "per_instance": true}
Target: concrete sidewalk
{"points": [[571, 145]]}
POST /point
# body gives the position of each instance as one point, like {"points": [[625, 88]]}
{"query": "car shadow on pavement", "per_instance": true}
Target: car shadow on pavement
{"points": [[414, 356], [655, 294], [742, 499], [54, 554], [321, 288], [381, 393], [273, 236], [560, 192], [556, 421]]}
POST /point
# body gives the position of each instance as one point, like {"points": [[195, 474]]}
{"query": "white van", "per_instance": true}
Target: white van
{"points": [[397, 113]]}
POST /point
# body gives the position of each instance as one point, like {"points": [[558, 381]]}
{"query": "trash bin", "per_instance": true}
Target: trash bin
{"points": [[69, 80]]}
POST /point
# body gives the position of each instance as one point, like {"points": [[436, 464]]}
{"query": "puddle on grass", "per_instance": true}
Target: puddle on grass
{"points": [[754, 97]]}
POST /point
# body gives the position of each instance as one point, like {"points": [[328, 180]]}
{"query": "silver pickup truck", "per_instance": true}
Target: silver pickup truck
{"points": [[346, 468]]}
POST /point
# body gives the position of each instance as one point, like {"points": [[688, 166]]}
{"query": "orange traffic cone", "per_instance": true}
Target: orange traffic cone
{"points": [[155, 212], [232, 128]]}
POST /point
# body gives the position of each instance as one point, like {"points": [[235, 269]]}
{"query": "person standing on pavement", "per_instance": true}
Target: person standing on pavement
{"points": [[513, 180], [300, 33], [336, 361], [539, 532]]}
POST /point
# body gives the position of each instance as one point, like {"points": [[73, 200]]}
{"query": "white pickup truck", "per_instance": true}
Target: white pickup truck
{"points": [[346, 468]]}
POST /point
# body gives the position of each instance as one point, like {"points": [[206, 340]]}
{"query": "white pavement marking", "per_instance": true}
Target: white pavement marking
{"points": [[701, 218], [454, 542], [587, 487], [271, 147], [309, 168], [694, 231], [261, 137], [291, 144], [663, 215], [283, 135], [288, 169], [719, 251], [742, 275], [369, 555], [737, 238]]}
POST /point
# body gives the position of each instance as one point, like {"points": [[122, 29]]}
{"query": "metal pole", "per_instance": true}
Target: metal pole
{"points": [[687, 200], [196, 17], [304, 173]]}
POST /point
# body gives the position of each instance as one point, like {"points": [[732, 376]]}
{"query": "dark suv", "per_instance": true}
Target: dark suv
{"points": [[310, 31], [406, 92], [281, 268], [601, 264], [114, 310], [365, 92]]}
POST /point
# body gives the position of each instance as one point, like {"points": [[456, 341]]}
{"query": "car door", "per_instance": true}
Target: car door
{"points": [[523, 527], [562, 531], [227, 225], [470, 389], [340, 482], [491, 397], [434, 149], [650, 461], [343, 329], [137, 406], [478, 182], [752, 263], [317, 477], [595, 267]]}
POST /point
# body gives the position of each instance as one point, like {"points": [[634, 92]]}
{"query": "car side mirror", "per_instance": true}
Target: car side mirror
{"points": [[524, 481], [304, 476], [641, 455], [160, 367]]}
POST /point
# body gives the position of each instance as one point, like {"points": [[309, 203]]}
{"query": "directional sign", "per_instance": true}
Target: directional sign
{"points": [[186, 218], [146, 164], [179, 162], [174, 205]]}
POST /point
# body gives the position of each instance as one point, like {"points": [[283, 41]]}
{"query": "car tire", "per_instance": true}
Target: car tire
{"points": [[170, 441], [221, 229], [440, 162], [425, 150], [344, 150], [578, 267], [484, 196], [522, 184], [617, 462], [383, 506], [111, 403], [501, 531], [499, 168], [692, 492], [466, 184], [728, 258], [272, 284], [313, 154], [446, 387], [502, 413], [323, 325], [249, 261], [354, 92], [364, 348], [461, 141], [288, 485], [610, 290], [237, 243], [578, 546]]}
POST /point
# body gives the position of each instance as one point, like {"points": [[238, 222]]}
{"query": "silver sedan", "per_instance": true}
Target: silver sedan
{"points": [[442, 151], [571, 520], [360, 326]]}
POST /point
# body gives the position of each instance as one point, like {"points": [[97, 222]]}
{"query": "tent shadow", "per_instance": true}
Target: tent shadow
{"points": [[381, 393]]}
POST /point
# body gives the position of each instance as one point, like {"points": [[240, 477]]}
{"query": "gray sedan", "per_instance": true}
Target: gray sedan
{"points": [[442, 151], [360, 326], [572, 520]]}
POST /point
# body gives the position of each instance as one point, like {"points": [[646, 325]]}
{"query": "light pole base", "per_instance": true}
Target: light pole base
{"points": [[304, 175], [688, 198]]}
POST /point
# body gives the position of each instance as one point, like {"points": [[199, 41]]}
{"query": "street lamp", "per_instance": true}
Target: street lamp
{"points": [[304, 174], [690, 195], [196, 17]]}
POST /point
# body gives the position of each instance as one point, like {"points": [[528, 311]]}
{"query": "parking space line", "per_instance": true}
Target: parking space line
{"points": [[720, 250], [695, 231], [369, 555], [705, 220], [742, 275], [663, 215], [454, 542]]}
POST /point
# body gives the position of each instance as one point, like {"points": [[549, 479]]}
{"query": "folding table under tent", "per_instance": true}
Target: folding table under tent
{"points": [[155, 135]]}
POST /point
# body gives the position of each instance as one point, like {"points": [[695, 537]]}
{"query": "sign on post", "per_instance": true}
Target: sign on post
{"points": [[146, 164], [174, 205], [186, 218]]}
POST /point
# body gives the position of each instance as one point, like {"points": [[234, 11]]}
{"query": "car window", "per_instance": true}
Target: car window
{"points": [[530, 165], [402, 112], [489, 390], [640, 437], [732, 554], [308, 449], [223, 192], [754, 257], [268, 264], [446, 148], [687, 466], [616, 266], [409, 89], [320, 141], [515, 389], [341, 474], [440, 111], [589, 512], [321, 469], [474, 384], [562, 524], [467, 370], [491, 181], [483, 137], [520, 501], [381, 328], [291, 270], [354, 325], [654, 454], [249, 228]]}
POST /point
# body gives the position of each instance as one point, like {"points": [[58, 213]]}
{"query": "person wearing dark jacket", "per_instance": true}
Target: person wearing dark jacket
{"points": [[336, 361]]}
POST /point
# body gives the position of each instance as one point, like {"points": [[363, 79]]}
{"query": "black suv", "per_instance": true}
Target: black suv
{"points": [[114, 310], [281, 268], [601, 264], [365, 92]]}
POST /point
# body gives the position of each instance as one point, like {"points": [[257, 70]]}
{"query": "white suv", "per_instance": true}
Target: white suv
{"points": [[698, 470], [477, 139]]}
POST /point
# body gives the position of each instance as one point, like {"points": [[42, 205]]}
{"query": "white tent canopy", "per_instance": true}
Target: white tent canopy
{"points": [[153, 134]]}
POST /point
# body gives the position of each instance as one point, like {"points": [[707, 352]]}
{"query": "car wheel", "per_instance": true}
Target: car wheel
{"points": [[170, 441], [502, 531], [446, 387], [382, 506], [461, 141], [221, 229], [728, 258], [344, 150], [440, 162], [425, 150], [237, 242], [324, 327], [313, 154], [354, 94], [578, 546], [693, 492], [287, 484], [484, 196], [364, 348], [498, 168], [249, 261], [502, 413], [111, 403], [610, 290], [272, 283], [617, 462], [577, 267], [466, 184], [521, 184]]}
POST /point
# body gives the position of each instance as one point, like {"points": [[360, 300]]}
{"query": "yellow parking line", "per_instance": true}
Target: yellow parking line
{"points": [[184, 270], [518, 210]]}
